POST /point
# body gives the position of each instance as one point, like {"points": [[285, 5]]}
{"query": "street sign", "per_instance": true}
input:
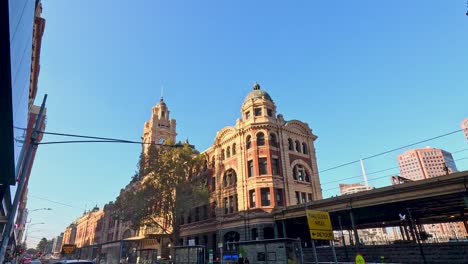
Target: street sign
{"points": [[319, 225], [68, 249], [220, 245], [321, 234]]}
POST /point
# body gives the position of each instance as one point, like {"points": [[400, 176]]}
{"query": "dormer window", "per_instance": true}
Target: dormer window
{"points": [[269, 112], [247, 115], [163, 114], [258, 111]]}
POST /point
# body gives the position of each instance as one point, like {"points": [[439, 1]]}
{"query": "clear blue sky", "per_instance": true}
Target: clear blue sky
{"points": [[367, 76]]}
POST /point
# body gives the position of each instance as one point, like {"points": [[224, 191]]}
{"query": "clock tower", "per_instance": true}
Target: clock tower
{"points": [[159, 128]]}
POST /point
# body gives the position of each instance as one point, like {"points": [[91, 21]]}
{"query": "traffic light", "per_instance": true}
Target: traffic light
{"points": [[18, 251]]}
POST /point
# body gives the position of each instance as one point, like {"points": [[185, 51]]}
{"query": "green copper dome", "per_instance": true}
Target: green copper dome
{"points": [[257, 93]]}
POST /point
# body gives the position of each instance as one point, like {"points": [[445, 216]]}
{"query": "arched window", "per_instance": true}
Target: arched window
{"points": [[230, 178], [222, 154], [260, 139], [298, 146], [273, 140], [248, 141], [300, 173], [304, 148], [213, 162], [228, 152], [290, 144], [234, 149], [254, 233]]}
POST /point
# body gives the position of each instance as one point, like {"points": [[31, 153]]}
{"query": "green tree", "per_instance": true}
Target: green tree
{"points": [[42, 245], [167, 183]]}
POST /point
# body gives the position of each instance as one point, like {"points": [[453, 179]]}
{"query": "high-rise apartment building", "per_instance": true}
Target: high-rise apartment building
{"points": [[425, 163], [464, 126]]}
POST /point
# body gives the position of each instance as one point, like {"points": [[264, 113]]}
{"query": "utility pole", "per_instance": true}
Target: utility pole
{"points": [[22, 180]]}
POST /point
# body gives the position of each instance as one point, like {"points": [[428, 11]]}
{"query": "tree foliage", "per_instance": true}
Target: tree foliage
{"points": [[166, 184], [32, 251], [42, 245]]}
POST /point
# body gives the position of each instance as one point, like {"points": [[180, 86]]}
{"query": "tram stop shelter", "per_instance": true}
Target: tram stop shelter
{"points": [[268, 251], [190, 254]]}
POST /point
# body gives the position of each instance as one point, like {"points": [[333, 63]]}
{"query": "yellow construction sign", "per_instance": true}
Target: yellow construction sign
{"points": [[319, 225], [68, 249]]}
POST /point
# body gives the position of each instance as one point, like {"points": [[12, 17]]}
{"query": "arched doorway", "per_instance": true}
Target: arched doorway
{"points": [[127, 234]]}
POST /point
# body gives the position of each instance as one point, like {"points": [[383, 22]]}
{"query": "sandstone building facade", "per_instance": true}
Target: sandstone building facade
{"points": [[257, 167]]}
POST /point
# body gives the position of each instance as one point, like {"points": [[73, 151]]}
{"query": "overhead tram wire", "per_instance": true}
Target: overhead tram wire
{"points": [[378, 178], [55, 202], [95, 139], [391, 150], [392, 168], [360, 175]]}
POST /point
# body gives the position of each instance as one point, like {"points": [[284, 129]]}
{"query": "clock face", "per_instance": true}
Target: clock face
{"points": [[161, 141]]}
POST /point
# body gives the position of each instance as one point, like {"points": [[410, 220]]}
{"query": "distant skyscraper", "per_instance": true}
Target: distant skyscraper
{"points": [[425, 163], [464, 125], [353, 188]]}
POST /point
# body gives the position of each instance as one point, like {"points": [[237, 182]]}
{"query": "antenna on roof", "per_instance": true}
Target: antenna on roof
{"points": [[162, 91], [364, 174]]}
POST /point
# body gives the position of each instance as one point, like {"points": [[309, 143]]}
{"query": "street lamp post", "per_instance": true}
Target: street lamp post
{"points": [[38, 209], [26, 224], [28, 228]]}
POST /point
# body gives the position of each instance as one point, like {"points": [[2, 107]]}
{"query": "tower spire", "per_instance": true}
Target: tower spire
{"points": [[162, 92]]}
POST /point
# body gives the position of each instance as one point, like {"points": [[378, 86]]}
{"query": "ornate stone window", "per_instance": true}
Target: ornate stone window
{"points": [[290, 144], [265, 196], [300, 173], [228, 152], [304, 148], [263, 166], [248, 141], [234, 149], [252, 198], [269, 112], [250, 168], [258, 111], [260, 139], [298, 146], [273, 140], [222, 154]]}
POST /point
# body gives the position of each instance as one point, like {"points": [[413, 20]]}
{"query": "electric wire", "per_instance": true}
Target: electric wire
{"points": [[391, 150], [373, 179], [360, 175], [95, 140], [55, 202]]}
